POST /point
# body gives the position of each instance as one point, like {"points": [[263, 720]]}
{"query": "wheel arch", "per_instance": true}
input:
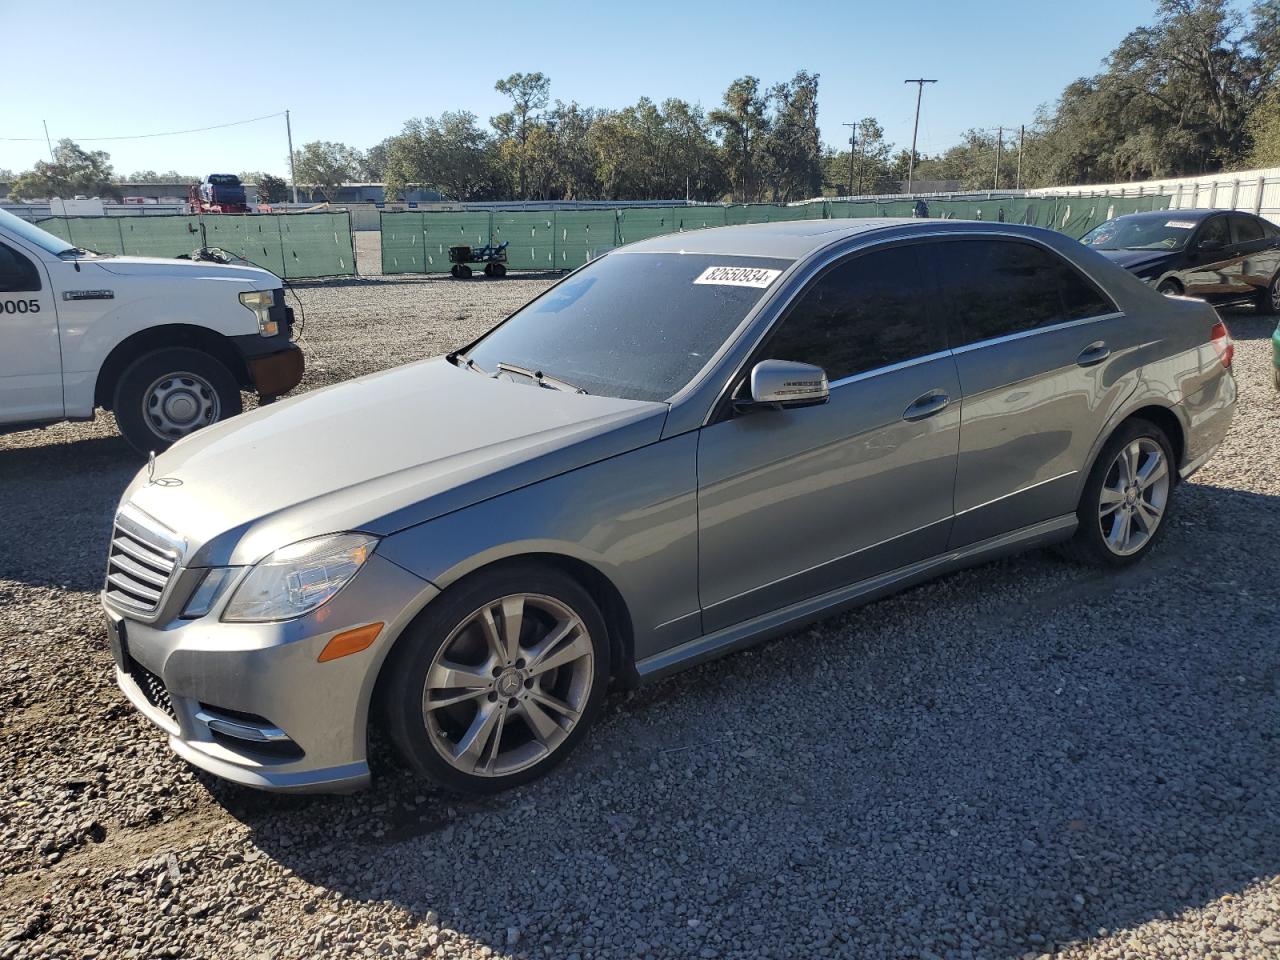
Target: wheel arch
{"points": [[1162, 416], [613, 607], [159, 338]]}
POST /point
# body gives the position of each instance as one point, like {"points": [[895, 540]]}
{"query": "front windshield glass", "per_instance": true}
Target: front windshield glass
{"points": [[632, 325], [1143, 233], [32, 234]]}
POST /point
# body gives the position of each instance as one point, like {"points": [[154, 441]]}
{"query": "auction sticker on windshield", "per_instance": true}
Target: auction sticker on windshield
{"points": [[1180, 224], [738, 276]]}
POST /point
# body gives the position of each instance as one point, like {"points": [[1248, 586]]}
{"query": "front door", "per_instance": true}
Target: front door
{"points": [[1214, 270], [795, 503], [30, 358], [1034, 343]]}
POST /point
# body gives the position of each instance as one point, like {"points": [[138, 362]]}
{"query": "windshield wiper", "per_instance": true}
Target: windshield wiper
{"points": [[457, 359], [540, 378]]}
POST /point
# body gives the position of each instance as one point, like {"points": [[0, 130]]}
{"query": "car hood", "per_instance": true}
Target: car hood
{"points": [[376, 454], [160, 267], [1141, 261]]}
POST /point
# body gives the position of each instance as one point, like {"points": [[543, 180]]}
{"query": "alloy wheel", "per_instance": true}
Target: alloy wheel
{"points": [[508, 685], [1134, 495], [178, 403]]}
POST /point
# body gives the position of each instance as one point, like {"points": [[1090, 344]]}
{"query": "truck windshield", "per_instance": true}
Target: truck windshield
{"points": [[32, 234], [638, 326]]}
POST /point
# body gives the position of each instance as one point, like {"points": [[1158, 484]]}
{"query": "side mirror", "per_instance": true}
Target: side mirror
{"points": [[780, 384], [1210, 246]]}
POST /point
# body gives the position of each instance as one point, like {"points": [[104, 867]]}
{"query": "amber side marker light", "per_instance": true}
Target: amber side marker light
{"points": [[349, 641]]}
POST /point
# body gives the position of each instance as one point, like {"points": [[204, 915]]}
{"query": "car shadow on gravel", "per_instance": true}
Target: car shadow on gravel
{"points": [[64, 546], [957, 766]]}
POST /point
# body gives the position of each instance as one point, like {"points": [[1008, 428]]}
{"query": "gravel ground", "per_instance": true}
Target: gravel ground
{"points": [[1028, 758]]}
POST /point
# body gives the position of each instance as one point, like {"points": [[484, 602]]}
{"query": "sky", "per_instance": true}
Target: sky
{"points": [[355, 72]]}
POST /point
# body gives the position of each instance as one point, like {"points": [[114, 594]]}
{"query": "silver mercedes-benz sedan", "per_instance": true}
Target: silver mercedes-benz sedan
{"points": [[686, 446]]}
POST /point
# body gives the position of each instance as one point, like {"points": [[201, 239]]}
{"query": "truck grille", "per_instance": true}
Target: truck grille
{"points": [[139, 567]]}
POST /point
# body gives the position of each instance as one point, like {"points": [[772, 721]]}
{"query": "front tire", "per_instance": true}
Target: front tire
{"points": [[498, 680], [1125, 504], [166, 394], [1170, 288]]}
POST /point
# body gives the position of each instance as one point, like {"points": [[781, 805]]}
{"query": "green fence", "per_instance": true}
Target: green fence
{"points": [[293, 246], [418, 242]]}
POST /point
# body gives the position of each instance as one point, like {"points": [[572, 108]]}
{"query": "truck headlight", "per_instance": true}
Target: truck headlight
{"points": [[260, 302], [297, 579]]}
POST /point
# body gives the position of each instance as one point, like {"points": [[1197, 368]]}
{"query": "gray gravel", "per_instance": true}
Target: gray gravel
{"points": [[1024, 759]]}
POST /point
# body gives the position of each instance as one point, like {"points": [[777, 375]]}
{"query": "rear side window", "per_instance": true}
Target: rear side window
{"points": [[868, 312], [1271, 229], [998, 287], [17, 273], [1245, 229]]}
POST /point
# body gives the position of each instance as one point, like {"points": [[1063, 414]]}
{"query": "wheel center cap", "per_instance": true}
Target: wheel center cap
{"points": [[1131, 495], [181, 407], [509, 684]]}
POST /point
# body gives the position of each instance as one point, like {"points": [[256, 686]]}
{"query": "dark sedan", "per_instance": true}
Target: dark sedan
{"points": [[1223, 256]]}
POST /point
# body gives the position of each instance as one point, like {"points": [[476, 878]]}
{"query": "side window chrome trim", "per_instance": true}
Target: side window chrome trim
{"points": [[1034, 331], [890, 368]]}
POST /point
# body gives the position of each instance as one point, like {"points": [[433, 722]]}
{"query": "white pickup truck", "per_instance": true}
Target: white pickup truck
{"points": [[167, 345]]}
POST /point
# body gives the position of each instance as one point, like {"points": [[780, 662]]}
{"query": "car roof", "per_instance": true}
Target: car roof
{"points": [[1196, 214], [797, 239]]}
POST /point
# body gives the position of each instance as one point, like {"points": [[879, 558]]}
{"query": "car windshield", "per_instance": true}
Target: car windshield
{"points": [[32, 234], [1141, 233], [633, 325]]}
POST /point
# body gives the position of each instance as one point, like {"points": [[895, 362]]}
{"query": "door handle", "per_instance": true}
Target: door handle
{"points": [[935, 401], [1094, 353]]}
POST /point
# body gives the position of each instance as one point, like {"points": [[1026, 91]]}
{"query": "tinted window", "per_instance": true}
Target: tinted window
{"points": [[632, 325], [999, 287], [1246, 229], [1271, 229], [17, 273], [1215, 228], [867, 312]]}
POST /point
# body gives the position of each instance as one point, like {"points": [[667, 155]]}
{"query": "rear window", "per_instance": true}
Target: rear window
{"points": [[633, 325], [1000, 287]]}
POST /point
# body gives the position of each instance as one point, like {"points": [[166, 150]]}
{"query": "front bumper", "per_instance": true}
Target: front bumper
{"points": [[276, 373], [249, 702]]}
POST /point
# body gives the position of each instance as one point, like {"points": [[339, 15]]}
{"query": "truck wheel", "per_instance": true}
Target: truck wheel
{"points": [[499, 269], [166, 394]]}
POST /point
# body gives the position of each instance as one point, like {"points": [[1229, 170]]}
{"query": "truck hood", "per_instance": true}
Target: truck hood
{"points": [[254, 277], [376, 454]]}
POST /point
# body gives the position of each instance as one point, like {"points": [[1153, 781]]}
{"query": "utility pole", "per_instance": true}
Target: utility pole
{"points": [[48, 142], [1022, 134], [995, 182], [911, 161], [853, 128], [293, 177]]}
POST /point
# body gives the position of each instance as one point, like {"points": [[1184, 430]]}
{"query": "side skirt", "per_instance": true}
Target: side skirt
{"points": [[798, 614]]}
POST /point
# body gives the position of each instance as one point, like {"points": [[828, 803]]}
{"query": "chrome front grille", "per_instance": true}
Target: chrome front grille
{"points": [[140, 565]]}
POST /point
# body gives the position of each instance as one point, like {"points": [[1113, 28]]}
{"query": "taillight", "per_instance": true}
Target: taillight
{"points": [[1220, 337]]}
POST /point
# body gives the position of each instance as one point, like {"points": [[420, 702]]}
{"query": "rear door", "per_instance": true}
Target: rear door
{"points": [[1033, 340], [1259, 253], [795, 503], [30, 358]]}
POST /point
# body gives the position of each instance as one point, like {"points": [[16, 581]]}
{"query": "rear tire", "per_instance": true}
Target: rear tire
{"points": [[1170, 288], [167, 394], [478, 711], [1269, 300], [1124, 507]]}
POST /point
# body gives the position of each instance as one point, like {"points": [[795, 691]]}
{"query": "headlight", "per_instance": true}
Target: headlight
{"points": [[260, 302], [298, 578]]}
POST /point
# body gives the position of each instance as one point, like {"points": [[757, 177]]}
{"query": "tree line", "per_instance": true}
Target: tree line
{"points": [[1192, 92]]}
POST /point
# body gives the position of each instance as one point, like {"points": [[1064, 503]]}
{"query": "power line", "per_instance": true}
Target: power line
{"points": [[145, 136]]}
